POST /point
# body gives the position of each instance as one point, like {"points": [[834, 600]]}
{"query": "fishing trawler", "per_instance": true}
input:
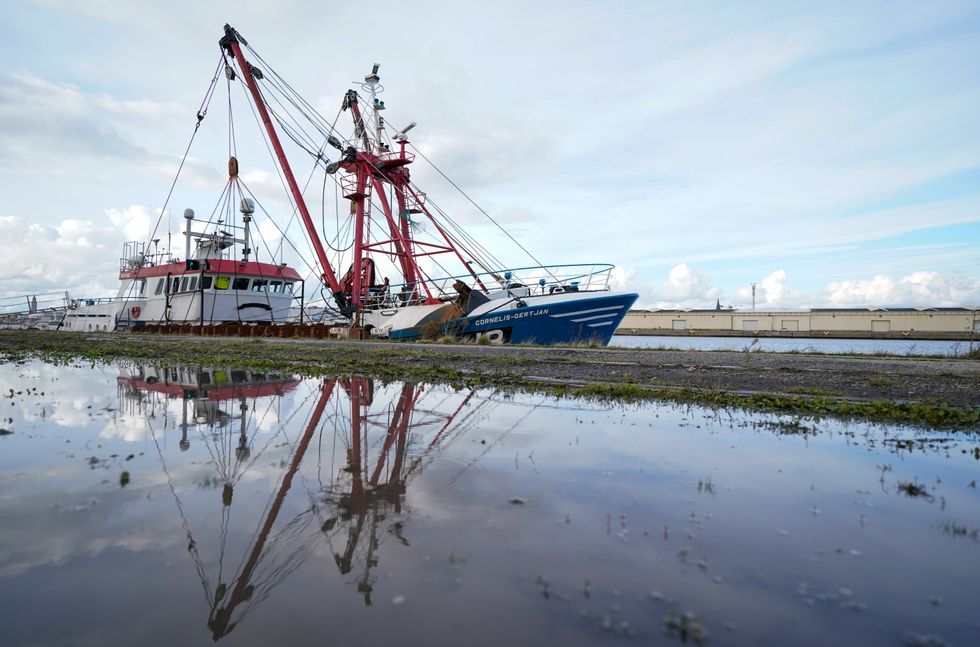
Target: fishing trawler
{"points": [[445, 281]]}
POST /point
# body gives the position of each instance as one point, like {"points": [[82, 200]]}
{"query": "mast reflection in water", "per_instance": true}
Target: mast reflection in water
{"points": [[378, 440]]}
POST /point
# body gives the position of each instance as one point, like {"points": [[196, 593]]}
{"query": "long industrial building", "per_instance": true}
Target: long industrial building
{"points": [[874, 323]]}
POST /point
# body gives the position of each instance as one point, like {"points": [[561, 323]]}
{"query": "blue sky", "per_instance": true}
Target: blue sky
{"points": [[829, 152]]}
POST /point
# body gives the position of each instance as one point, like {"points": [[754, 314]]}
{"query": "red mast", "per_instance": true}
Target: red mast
{"points": [[231, 43], [385, 166], [373, 167]]}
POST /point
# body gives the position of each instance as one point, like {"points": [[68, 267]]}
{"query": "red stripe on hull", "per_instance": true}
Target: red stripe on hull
{"points": [[224, 266]]}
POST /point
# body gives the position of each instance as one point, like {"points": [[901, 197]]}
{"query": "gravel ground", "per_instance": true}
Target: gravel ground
{"points": [[956, 381]]}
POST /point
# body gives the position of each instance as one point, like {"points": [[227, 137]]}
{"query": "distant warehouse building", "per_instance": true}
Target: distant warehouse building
{"points": [[902, 323]]}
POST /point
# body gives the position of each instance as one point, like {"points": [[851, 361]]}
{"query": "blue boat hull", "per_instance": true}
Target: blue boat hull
{"points": [[591, 319]]}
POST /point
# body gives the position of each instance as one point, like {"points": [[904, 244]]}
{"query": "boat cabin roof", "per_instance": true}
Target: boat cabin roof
{"points": [[217, 266]]}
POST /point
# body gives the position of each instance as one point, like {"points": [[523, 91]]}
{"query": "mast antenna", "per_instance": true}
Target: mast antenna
{"points": [[372, 85], [402, 135]]}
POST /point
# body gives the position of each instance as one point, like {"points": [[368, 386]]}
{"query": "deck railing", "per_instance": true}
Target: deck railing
{"points": [[520, 281]]}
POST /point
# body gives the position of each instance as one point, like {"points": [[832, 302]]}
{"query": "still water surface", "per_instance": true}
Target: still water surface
{"points": [[804, 345], [273, 509]]}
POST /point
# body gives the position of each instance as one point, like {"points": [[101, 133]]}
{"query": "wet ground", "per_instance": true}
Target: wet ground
{"points": [[924, 386], [147, 505]]}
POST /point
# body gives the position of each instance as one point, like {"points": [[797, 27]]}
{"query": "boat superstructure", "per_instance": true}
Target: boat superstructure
{"points": [[208, 286]]}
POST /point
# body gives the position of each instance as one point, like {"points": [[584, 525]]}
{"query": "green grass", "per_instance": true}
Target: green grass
{"points": [[934, 415]]}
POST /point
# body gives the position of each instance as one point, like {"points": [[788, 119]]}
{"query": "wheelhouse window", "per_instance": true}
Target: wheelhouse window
{"points": [[192, 286], [159, 286], [175, 285], [275, 286], [240, 284], [259, 285], [206, 282], [222, 283], [287, 288], [142, 289], [183, 284]]}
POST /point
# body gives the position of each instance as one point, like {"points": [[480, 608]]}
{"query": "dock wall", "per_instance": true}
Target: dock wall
{"points": [[946, 323]]}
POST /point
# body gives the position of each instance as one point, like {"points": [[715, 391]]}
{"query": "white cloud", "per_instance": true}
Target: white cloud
{"points": [[685, 285], [770, 292], [915, 289], [622, 279], [80, 255], [135, 222], [688, 287]]}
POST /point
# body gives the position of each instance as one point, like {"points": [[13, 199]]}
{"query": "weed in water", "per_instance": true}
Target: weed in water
{"points": [[914, 490], [706, 485], [957, 530]]}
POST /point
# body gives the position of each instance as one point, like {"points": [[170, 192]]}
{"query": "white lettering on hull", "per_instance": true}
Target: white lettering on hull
{"points": [[511, 317]]}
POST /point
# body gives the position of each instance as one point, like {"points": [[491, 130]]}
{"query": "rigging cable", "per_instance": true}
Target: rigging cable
{"points": [[473, 202], [304, 142], [202, 112]]}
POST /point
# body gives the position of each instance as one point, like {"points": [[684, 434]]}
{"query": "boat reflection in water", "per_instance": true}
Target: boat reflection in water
{"points": [[206, 393], [372, 440]]}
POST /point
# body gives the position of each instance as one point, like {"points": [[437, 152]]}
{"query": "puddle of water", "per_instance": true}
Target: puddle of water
{"points": [[180, 506]]}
